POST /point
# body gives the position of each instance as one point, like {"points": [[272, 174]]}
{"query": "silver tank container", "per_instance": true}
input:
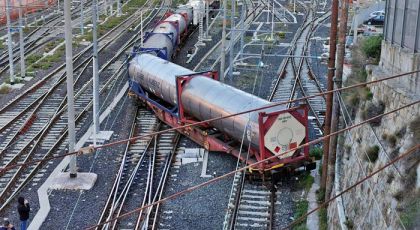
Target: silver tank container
{"points": [[160, 41], [177, 18], [188, 10], [202, 97]]}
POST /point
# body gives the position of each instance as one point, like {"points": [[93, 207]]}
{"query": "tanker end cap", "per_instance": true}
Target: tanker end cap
{"points": [[86, 150], [284, 134]]}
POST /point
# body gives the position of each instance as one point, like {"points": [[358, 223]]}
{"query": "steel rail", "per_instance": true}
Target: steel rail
{"points": [[43, 132]]}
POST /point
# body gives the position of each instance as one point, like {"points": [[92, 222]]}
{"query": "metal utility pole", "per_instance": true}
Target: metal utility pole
{"points": [[9, 43], [106, 7], [200, 27], [272, 23], [223, 58], [119, 8], [82, 29], [141, 28], [95, 75], [242, 28], [341, 51], [21, 42], [207, 19], [70, 93], [232, 38], [331, 70]]}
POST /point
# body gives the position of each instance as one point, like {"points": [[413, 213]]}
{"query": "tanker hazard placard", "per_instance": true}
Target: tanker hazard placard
{"points": [[285, 133]]}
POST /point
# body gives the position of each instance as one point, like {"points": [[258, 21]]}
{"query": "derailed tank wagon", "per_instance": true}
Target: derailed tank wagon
{"points": [[180, 96]]}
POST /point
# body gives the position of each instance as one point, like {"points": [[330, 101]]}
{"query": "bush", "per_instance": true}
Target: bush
{"points": [[372, 110], [371, 47], [372, 153], [320, 195], [349, 224], [316, 153]]}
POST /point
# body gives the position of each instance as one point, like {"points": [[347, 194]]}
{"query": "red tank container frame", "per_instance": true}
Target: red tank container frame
{"points": [[212, 140]]}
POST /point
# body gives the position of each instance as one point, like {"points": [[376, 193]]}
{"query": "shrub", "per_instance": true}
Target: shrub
{"points": [[372, 153], [349, 224], [371, 47], [4, 88], [320, 195], [372, 110], [316, 153], [306, 181]]}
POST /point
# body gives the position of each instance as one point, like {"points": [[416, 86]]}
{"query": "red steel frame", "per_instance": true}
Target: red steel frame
{"points": [[200, 135], [266, 120]]}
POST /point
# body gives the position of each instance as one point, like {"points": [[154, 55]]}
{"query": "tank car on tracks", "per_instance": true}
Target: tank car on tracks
{"points": [[179, 96]]}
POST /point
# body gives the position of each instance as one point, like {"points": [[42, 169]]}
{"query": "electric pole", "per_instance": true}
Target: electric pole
{"points": [[119, 8], [9, 43], [341, 51], [82, 29], [70, 93], [232, 38], [223, 44], [95, 75], [21, 42], [331, 70]]}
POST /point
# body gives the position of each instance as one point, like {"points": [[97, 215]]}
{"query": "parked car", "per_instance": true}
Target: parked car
{"points": [[349, 41], [377, 13], [377, 21]]}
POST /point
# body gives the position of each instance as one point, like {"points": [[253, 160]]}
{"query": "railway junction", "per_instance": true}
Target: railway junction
{"points": [[230, 114]]}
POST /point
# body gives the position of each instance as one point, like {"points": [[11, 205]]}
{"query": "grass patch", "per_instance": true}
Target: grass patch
{"points": [[301, 209], [306, 181], [316, 153], [410, 213], [31, 59], [323, 219], [372, 153]]}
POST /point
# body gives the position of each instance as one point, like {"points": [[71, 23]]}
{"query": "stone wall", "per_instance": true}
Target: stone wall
{"points": [[375, 204], [395, 60]]}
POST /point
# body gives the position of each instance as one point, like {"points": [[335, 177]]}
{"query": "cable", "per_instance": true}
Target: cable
{"points": [[408, 152], [190, 189], [211, 120]]}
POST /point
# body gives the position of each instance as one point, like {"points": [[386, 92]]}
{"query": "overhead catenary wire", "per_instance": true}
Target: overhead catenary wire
{"points": [[192, 188], [209, 120]]}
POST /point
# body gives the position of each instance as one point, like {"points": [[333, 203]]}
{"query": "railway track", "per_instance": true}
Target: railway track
{"points": [[296, 78], [142, 175], [42, 35], [251, 205], [255, 204], [253, 12], [40, 130]]}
